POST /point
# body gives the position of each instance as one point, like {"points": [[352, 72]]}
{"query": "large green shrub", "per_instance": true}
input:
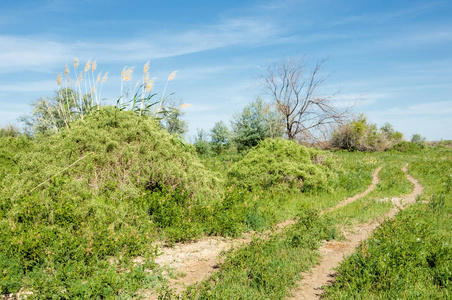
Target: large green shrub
{"points": [[360, 135], [116, 153], [280, 163], [407, 147], [74, 236]]}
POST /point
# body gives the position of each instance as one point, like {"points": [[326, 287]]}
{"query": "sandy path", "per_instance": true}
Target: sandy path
{"points": [[195, 261], [333, 252]]}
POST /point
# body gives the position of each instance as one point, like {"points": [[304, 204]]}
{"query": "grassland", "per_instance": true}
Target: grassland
{"points": [[78, 236]]}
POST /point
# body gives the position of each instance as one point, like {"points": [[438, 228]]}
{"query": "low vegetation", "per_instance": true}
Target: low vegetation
{"points": [[409, 256], [360, 135], [89, 192]]}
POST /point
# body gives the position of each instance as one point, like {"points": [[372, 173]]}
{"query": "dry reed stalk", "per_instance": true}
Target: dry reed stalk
{"points": [[184, 105], [126, 75], [170, 77], [62, 171]]}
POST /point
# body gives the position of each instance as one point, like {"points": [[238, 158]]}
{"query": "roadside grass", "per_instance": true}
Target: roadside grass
{"points": [[392, 183], [58, 244], [266, 268], [409, 257], [236, 276]]}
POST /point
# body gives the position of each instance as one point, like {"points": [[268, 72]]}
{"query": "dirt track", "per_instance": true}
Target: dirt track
{"points": [[333, 252], [196, 261]]}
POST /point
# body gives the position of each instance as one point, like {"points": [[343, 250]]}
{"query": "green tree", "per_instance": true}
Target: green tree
{"points": [[50, 114], [174, 124], [220, 135], [201, 143], [256, 122], [419, 140], [391, 134]]}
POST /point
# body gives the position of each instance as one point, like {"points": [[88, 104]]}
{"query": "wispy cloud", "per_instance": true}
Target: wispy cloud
{"points": [[33, 86], [431, 108], [30, 53], [384, 17], [37, 53]]}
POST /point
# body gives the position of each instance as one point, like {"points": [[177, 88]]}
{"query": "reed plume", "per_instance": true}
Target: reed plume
{"points": [[88, 65], [172, 75], [146, 68]]}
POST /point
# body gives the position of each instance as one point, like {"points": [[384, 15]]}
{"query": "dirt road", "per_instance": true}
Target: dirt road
{"points": [[333, 252]]}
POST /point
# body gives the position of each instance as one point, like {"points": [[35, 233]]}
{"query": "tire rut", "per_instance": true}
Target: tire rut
{"points": [[333, 252], [196, 261]]}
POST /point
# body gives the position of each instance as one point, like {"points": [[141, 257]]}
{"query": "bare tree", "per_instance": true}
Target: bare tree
{"points": [[294, 91]]}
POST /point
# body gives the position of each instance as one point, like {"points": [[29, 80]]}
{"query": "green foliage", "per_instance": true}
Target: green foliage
{"points": [[390, 133], [9, 131], [282, 164], [266, 268], [79, 207], [51, 114], [359, 135], [10, 147], [419, 140], [173, 122], [407, 147], [220, 135], [202, 144], [120, 154], [409, 256], [255, 123]]}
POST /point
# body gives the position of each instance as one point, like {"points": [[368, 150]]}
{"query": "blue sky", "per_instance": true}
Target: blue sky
{"points": [[395, 57]]}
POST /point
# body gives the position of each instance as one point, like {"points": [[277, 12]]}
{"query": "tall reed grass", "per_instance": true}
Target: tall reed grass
{"points": [[78, 96]]}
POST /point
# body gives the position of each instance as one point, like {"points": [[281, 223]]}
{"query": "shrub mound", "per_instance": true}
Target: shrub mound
{"points": [[116, 153], [283, 164], [74, 236], [407, 147]]}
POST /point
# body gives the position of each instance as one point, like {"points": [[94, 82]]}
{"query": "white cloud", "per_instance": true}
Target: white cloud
{"points": [[24, 87], [39, 53], [430, 108], [30, 53]]}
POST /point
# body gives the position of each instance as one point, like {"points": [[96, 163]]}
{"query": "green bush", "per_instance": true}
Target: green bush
{"points": [[407, 147], [75, 235], [281, 163], [116, 153], [359, 135]]}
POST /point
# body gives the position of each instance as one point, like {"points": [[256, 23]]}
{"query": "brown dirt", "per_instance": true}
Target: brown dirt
{"points": [[333, 252], [195, 261]]}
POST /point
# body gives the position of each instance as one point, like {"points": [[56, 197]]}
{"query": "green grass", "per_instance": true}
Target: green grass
{"points": [[392, 183], [408, 257], [265, 268], [65, 241]]}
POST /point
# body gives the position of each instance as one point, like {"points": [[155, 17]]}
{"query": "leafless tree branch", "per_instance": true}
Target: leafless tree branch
{"points": [[294, 92]]}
